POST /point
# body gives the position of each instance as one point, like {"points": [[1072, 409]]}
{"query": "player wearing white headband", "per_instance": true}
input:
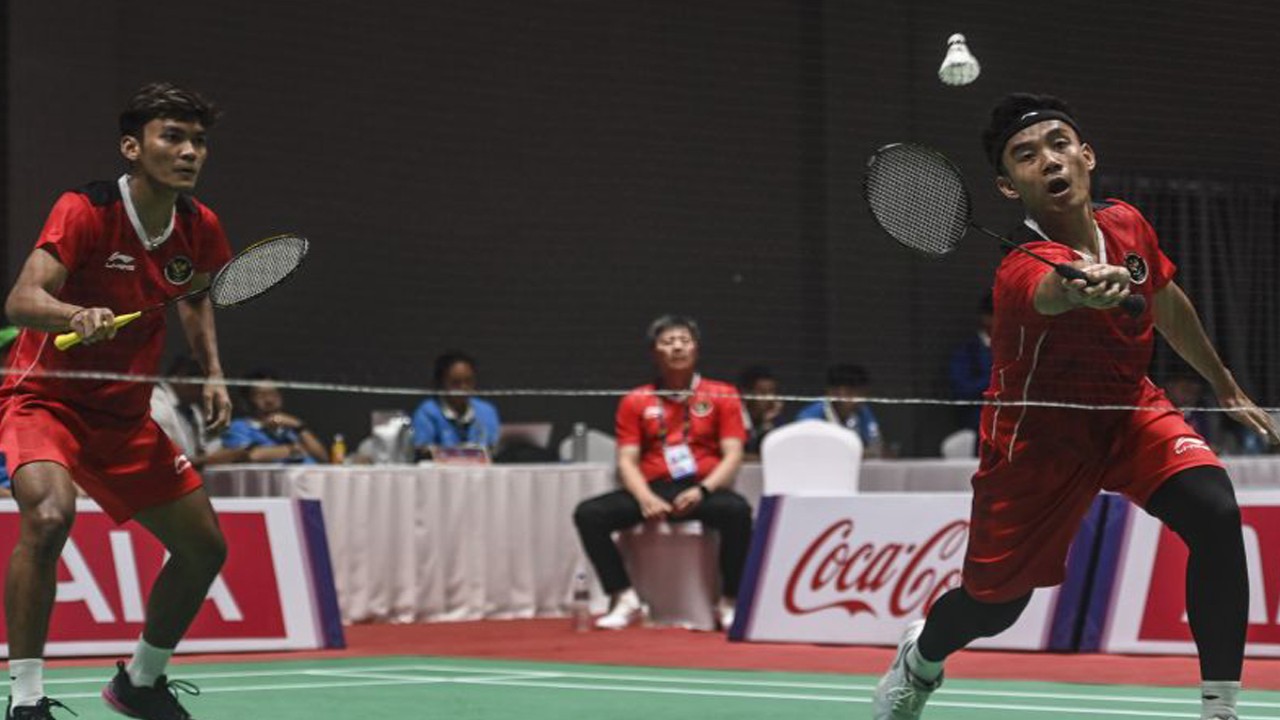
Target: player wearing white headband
{"points": [[1069, 341]]}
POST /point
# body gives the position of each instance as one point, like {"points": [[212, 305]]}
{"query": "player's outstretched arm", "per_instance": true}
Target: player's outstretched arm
{"points": [[1104, 287], [32, 302], [1178, 322]]}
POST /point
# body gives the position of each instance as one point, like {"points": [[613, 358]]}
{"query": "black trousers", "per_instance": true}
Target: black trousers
{"points": [[599, 517]]}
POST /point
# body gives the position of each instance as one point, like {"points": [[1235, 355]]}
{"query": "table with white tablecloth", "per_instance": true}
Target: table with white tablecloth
{"points": [[453, 542], [439, 542]]}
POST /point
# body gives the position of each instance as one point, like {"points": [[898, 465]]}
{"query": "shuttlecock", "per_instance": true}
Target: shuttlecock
{"points": [[959, 67]]}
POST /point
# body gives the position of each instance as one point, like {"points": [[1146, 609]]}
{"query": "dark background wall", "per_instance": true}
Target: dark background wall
{"points": [[533, 182]]}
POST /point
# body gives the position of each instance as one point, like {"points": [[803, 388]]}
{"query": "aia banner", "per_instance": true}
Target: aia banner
{"points": [[261, 600], [1147, 612]]}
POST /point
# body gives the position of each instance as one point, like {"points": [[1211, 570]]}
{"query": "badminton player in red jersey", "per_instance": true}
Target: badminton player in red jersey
{"points": [[107, 248], [1040, 467]]}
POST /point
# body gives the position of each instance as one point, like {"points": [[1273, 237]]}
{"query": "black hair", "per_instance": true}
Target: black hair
{"points": [[666, 322], [847, 375], [752, 375], [1015, 111], [165, 100], [447, 360], [986, 304], [260, 374]]}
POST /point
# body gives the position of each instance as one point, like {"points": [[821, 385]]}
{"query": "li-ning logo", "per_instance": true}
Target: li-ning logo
{"points": [[1185, 443], [181, 464], [120, 261]]}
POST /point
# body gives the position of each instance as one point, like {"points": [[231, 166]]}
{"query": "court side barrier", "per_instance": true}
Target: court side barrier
{"points": [[276, 591], [855, 570], [1138, 603]]}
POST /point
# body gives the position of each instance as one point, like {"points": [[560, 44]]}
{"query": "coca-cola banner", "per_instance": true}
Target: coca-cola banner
{"points": [[856, 570], [274, 593], [1146, 610]]}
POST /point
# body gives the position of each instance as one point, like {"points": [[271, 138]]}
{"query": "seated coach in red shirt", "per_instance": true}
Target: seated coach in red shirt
{"points": [[680, 444]]}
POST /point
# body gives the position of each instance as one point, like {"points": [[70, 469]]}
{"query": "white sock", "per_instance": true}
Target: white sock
{"points": [[926, 670], [27, 681], [147, 664], [1219, 698]]}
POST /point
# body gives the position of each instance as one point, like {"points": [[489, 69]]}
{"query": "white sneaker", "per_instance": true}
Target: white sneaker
{"points": [[725, 607], [901, 695], [627, 609]]}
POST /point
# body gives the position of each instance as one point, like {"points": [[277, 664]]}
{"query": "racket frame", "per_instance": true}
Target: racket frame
{"points": [[1133, 304], [68, 340]]}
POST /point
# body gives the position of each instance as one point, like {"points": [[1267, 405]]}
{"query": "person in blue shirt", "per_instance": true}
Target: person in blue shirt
{"points": [[846, 383], [969, 371], [454, 418], [269, 434]]}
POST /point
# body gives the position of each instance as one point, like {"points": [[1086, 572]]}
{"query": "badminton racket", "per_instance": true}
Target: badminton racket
{"points": [[251, 273], [919, 198]]}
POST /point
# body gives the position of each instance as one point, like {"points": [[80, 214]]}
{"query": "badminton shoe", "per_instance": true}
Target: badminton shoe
{"points": [[627, 609], [158, 702], [901, 695], [42, 710]]}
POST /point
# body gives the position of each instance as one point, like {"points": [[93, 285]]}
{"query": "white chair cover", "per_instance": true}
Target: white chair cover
{"points": [[811, 457], [960, 444]]}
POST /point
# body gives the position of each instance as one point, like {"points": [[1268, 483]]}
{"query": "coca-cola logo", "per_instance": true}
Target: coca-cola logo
{"points": [[837, 570]]}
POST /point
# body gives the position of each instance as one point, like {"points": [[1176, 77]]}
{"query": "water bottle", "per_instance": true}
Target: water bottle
{"points": [[580, 604], [579, 443], [338, 452]]}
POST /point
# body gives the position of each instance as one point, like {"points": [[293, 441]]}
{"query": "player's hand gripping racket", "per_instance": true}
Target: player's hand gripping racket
{"points": [[252, 272], [919, 197]]}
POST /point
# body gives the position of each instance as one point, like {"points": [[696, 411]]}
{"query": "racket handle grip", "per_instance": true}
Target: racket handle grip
{"points": [[71, 339], [1134, 304], [1069, 272]]}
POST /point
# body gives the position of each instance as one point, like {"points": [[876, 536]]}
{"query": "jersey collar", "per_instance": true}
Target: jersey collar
{"points": [[150, 243], [1102, 240]]}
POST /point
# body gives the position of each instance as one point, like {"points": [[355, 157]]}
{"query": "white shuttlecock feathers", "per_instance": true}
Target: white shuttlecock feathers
{"points": [[959, 67]]}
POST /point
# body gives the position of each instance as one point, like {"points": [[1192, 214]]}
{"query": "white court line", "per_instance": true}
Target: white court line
{"points": [[261, 673], [515, 675], [829, 698], [1189, 698]]}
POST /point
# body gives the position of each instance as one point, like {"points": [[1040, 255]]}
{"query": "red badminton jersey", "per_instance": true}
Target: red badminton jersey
{"points": [[1083, 356], [90, 232], [712, 414]]}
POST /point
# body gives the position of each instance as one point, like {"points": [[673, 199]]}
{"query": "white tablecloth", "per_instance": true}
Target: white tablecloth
{"points": [[437, 542]]}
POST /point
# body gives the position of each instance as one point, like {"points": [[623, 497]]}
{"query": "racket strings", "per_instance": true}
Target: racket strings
{"points": [[257, 270], [918, 197]]}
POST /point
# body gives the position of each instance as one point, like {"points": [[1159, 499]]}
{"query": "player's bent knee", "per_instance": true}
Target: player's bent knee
{"points": [[206, 552], [47, 525]]}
